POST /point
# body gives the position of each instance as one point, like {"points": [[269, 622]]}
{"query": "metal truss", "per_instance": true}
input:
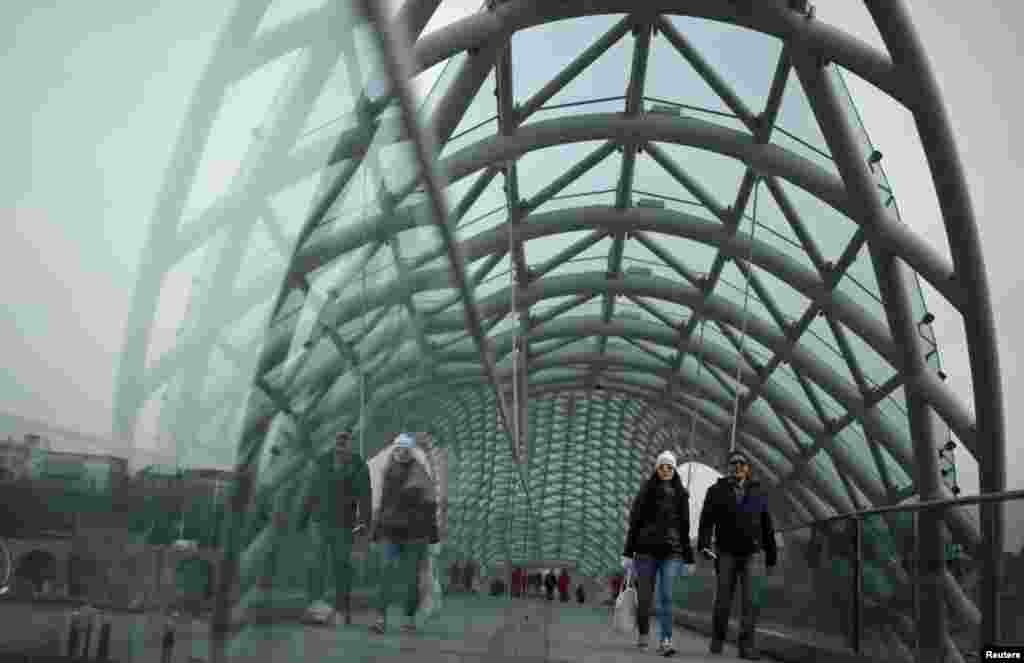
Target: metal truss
{"points": [[401, 339]]}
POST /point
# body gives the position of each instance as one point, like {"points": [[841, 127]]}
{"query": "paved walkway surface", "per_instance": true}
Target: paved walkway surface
{"points": [[469, 629]]}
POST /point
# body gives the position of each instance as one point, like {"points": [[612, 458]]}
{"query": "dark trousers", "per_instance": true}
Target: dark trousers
{"points": [[73, 641], [166, 649], [336, 555], [400, 577], [732, 570]]}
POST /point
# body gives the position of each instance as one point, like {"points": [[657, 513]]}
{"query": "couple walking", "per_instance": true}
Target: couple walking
{"points": [[400, 514], [735, 514]]}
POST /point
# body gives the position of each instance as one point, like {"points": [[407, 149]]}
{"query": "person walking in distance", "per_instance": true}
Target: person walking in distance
{"points": [[563, 586], [735, 514], [167, 641], [549, 584], [339, 504]]}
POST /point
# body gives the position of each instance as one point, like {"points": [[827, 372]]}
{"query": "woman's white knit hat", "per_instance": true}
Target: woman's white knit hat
{"points": [[666, 458]]}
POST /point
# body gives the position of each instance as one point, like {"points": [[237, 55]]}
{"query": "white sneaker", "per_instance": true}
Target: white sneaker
{"points": [[665, 647], [641, 642]]}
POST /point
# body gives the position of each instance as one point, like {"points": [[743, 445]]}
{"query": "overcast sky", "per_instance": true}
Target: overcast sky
{"points": [[96, 93]]}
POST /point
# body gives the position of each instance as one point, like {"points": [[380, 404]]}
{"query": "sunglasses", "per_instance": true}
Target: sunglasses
{"points": [[737, 462]]}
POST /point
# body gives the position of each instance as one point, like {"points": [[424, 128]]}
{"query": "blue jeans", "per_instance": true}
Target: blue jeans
{"points": [[651, 572]]}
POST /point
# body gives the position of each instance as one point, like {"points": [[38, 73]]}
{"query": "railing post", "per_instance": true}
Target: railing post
{"points": [[858, 582], [916, 583]]}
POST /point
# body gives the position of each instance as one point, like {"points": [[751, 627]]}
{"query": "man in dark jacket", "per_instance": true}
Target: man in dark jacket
{"points": [[340, 503], [736, 512]]}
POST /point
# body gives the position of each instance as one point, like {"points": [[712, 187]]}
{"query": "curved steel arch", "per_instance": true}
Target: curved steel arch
{"points": [[766, 159]]}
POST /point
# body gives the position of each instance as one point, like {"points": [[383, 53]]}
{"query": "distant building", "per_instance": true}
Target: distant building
{"points": [[80, 471], [18, 456]]}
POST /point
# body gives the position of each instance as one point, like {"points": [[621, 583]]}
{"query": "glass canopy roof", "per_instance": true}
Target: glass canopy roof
{"points": [[683, 255], [600, 238]]}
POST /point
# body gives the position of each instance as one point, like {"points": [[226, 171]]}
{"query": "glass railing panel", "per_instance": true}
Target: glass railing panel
{"points": [[887, 611]]}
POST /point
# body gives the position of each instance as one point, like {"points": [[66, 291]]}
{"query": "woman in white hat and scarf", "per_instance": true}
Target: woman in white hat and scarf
{"points": [[406, 524], [658, 547]]}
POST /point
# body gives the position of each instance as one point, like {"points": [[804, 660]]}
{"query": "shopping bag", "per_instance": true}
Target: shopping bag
{"points": [[624, 614], [429, 590]]}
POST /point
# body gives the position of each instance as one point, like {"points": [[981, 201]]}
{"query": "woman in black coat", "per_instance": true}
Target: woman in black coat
{"points": [[659, 539]]}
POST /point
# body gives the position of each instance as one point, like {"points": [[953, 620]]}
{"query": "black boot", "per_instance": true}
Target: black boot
{"points": [[716, 645], [749, 652], [348, 610]]}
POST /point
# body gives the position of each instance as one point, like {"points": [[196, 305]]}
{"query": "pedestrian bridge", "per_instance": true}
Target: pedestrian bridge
{"points": [[556, 239]]}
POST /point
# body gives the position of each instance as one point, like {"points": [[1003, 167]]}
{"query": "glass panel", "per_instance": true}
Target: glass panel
{"points": [[888, 607], [852, 440], [487, 211], [719, 175], [819, 340], [539, 168], [894, 409], [770, 216], [876, 369], [784, 378], [435, 93], [790, 302], [672, 78], [897, 473], [798, 120], [745, 59], [603, 176], [543, 51], [831, 230], [483, 107], [1012, 601], [858, 291], [967, 570]]}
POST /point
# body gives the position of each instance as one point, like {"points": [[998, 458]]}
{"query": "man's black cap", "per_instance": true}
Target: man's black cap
{"points": [[738, 456]]}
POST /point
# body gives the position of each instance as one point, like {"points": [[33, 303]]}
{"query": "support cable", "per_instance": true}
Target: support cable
{"points": [[700, 365], [362, 374], [746, 317]]}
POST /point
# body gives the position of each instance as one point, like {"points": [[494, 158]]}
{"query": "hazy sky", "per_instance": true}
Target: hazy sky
{"points": [[97, 92]]}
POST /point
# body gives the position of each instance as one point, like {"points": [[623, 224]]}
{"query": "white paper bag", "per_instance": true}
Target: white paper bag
{"points": [[624, 614]]}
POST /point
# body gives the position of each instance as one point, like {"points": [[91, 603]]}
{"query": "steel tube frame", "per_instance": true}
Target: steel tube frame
{"points": [[864, 61], [910, 66], [772, 18], [766, 159], [894, 285], [723, 400], [939, 143]]}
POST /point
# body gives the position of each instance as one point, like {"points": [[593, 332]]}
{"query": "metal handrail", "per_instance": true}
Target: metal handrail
{"points": [[858, 518], [984, 498]]}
